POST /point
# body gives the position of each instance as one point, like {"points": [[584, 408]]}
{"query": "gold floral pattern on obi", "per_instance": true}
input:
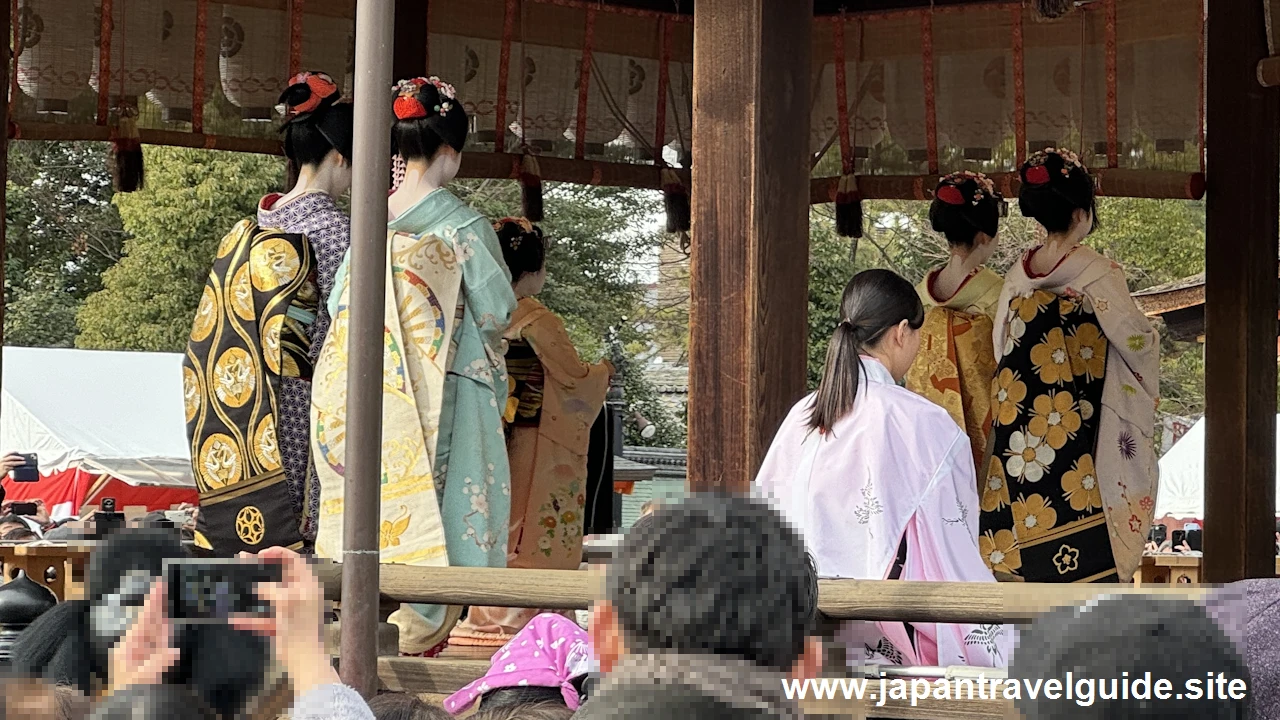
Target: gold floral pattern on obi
{"points": [[266, 448], [1000, 551], [1080, 485], [190, 392], [234, 377], [206, 315], [1050, 358], [1054, 418], [275, 264], [219, 461], [1034, 516]]}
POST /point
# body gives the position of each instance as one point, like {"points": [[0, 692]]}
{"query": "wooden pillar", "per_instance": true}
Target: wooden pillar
{"points": [[409, 58], [749, 268], [1243, 222]]}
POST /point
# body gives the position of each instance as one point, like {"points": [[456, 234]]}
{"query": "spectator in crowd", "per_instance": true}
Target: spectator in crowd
{"points": [[1127, 638], [152, 702], [19, 535], [72, 642], [545, 662], [144, 655], [403, 706], [537, 711], [31, 699], [709, 605]]}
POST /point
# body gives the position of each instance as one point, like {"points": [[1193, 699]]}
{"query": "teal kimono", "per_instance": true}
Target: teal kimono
{"points": [[472, 475]]}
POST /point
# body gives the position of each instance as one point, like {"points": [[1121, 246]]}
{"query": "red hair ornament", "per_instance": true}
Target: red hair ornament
{"points": [[951, 195], [1037, 175]]}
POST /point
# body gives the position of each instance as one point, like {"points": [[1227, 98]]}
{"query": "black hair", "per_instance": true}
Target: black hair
{"points": [[147, 702], [714, 574], [11, 518], [22, 534], [309, 136], [529, 711], [524, 251], [874, 301], [961, 222], [403, 706], [421, 138], [1053, 203], [513, 697]]}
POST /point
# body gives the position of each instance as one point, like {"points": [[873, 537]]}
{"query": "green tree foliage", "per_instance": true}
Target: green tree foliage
{"points": [[62, 232], [192, 199]]}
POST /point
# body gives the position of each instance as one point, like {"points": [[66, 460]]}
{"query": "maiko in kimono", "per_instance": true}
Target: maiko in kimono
{"points": [[881, 482]]}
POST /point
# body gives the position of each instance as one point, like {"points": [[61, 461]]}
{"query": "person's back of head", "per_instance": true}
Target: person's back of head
{"points": [[149, 702], [403, 706], [710, 575], [24, 698], [534, 711], [1132, 657]]}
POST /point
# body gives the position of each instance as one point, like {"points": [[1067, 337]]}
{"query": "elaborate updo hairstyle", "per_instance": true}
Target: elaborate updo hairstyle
{"points": [[1054, 185], [315, 122], [874, 302], [523, 247], [428, 116], [964, 204]]}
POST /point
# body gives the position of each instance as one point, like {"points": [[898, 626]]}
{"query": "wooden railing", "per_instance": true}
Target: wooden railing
{"points": [[837, 600]]}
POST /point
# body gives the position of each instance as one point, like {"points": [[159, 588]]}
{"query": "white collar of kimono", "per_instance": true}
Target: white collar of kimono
{"points": [[876, 372]]}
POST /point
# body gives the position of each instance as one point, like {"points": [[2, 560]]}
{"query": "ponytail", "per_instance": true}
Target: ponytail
{"points": [[873, 302]]}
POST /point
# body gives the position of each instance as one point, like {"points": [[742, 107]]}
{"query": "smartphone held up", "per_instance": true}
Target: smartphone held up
{"points": [[211, 591]]}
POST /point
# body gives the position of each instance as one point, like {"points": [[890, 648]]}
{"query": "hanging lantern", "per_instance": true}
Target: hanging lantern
{"points": [[904, 106], [137, 32], [823, 110], [866, 101], [608, 80], [1166, 73], [174, 77], [547, 109], [640, 106], [325, 43], [56, 51], [975, 99], [471, 65], [253, 61], [1052, 77]]}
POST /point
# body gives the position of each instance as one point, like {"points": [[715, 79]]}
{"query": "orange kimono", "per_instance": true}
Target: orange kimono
{"points": [[956, 361], [554, 401]]}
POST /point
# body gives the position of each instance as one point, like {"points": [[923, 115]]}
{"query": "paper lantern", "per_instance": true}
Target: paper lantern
{"points": [[608, 81], [137, 32], [904, 106], [1052, 86], [174, 77], [57, 51], [471, 65], [866, 101], [547, 109], [641, 105], [1165, 78], [327, 44], [975, 101], [823, 110], [253, 61]]}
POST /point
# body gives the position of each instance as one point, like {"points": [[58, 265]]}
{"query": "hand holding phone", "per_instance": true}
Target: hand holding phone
{"points": [[28, 470], [214, 591]]}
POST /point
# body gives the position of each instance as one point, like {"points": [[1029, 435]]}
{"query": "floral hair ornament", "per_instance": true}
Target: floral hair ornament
{"points": [[1037, 173], [949, 188], [409, 107], [523, 223], [305, 93]]}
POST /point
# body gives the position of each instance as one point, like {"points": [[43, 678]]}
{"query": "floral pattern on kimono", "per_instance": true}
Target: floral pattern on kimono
{"points": [[956, 361], [328, 230], [1074, 403]]}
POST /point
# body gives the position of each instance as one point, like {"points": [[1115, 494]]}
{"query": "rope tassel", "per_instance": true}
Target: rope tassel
{"points": [[848, 208], [127, 171], [675, 200], [531, 188]]}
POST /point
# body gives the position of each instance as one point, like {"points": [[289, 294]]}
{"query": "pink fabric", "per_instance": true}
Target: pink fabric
{"points": [[549, 652]]}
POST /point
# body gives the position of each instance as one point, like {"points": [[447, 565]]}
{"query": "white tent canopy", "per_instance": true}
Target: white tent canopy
{"points": [[116, 413], [1181, 492]]}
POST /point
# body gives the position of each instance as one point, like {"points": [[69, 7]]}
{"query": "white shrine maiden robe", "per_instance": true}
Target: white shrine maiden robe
{"points": [[896, 466]]}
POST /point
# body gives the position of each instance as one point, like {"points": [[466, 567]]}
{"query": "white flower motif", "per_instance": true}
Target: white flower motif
{"points": [[1086, 410], [509, 667], [1013, 333], [523, 683], [544, 543], [539, 642], [480, 504], [1029, 456], [556, 645]]}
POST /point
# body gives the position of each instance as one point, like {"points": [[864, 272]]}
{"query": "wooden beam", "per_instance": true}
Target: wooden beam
{"points": [[1242, 226], [750, 202]]}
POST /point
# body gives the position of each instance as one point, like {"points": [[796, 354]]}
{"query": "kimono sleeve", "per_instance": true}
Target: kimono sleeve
{"points": [[486, 281], [943, 537], [550, 340]]}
